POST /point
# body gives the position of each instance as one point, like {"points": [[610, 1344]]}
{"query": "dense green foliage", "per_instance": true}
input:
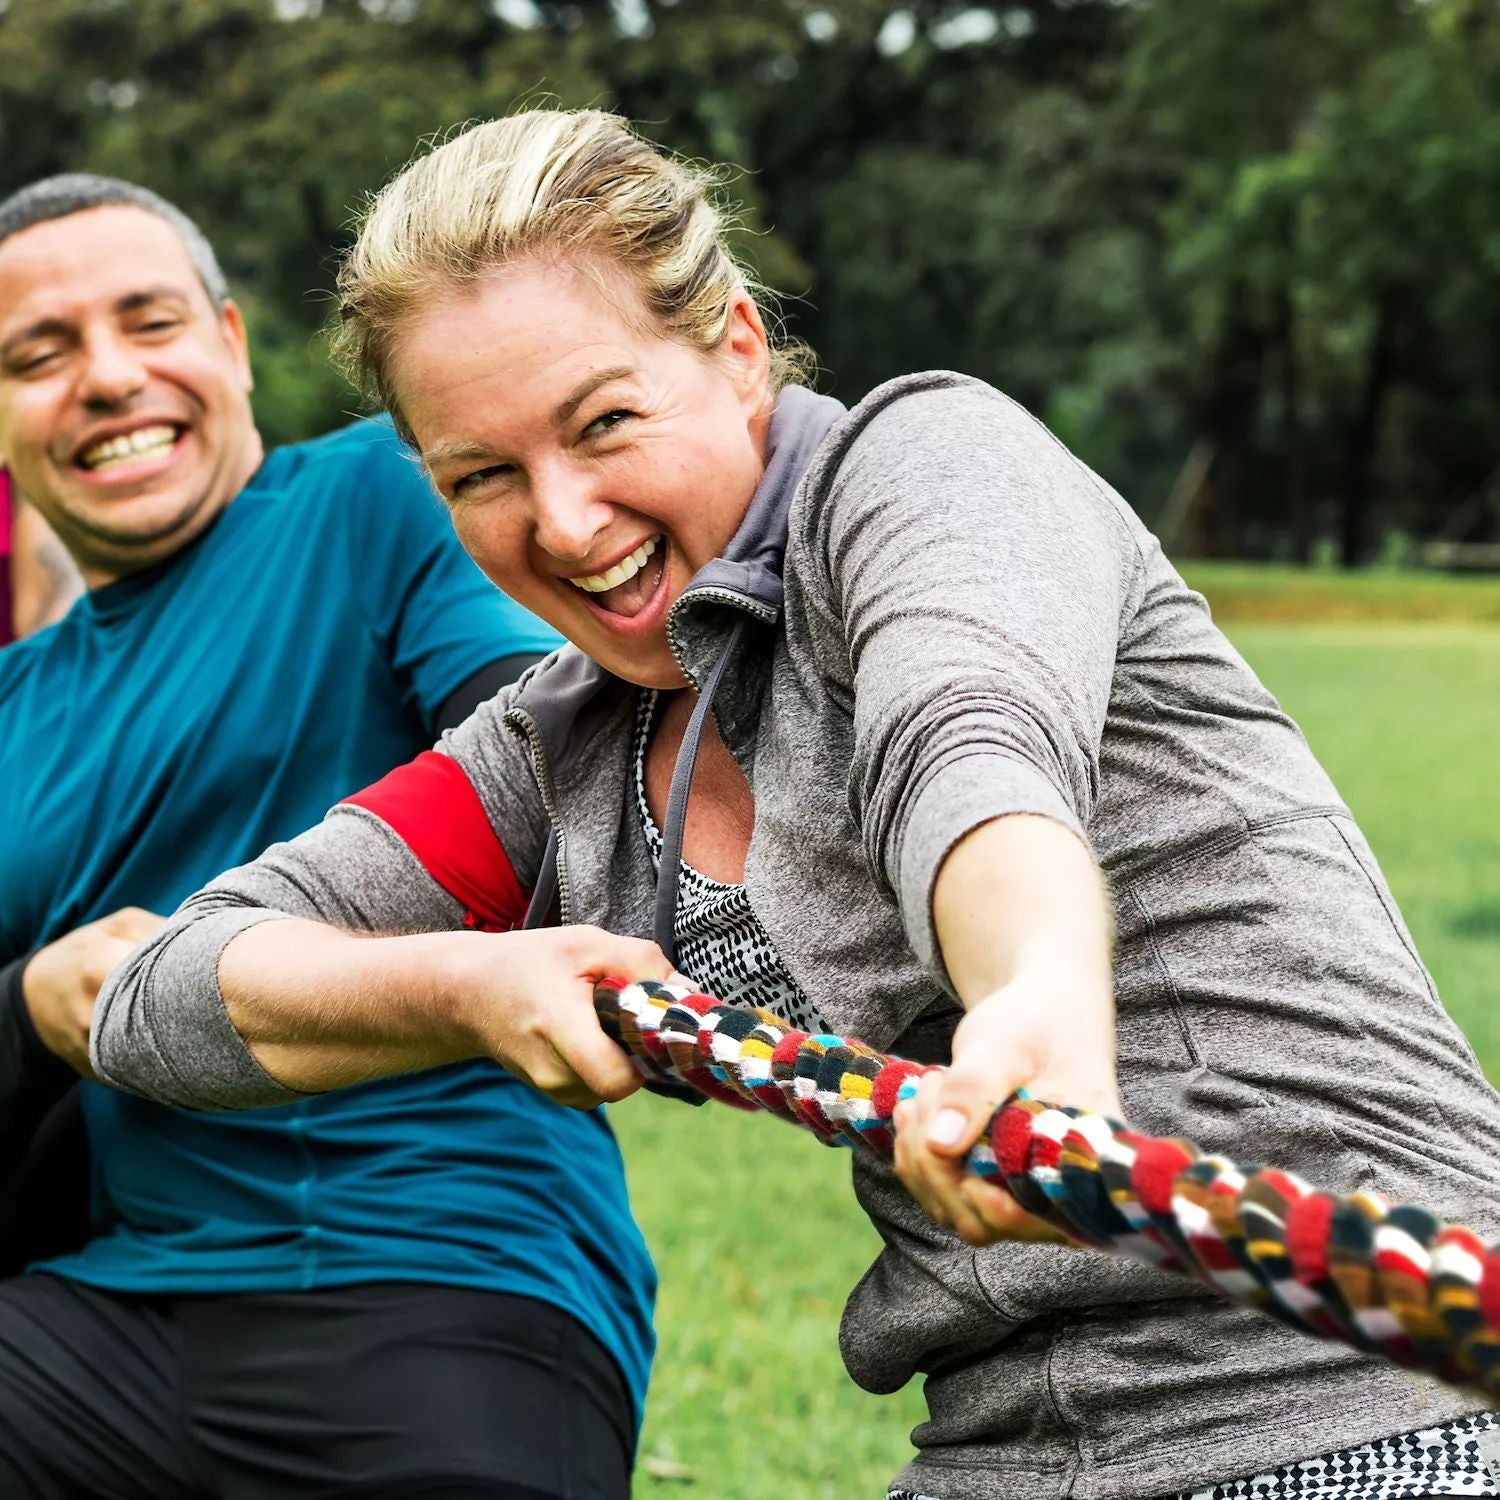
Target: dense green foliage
{"points": [[756, 1233], [1242, 257]]}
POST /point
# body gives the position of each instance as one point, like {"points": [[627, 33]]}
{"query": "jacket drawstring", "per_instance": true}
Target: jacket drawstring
{"points": [[664, 919], [544, 895], [669, 868]]}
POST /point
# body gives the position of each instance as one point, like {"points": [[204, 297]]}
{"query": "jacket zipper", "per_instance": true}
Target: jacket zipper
{"points": [[518, 719]]}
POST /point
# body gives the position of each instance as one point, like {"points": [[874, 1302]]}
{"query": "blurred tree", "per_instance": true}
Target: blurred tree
{"points": [[1336, 175], [1241, 256]]}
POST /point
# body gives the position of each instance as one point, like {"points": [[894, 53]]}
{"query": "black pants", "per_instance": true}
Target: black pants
{"points": [[384, 1392]]}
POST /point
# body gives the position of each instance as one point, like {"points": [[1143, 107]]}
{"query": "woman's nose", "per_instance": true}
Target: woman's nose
{"points": [[568, 515]]}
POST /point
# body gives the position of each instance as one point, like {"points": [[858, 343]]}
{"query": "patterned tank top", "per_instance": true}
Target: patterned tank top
{"points": [[720, 942]]}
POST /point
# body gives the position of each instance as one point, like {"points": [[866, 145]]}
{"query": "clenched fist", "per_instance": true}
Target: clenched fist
{"points": [[62, 981]]}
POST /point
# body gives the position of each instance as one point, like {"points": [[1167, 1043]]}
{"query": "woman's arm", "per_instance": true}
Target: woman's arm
{"points": [[321, 1009], [975, 580], [378, 942], [1025, 930]]}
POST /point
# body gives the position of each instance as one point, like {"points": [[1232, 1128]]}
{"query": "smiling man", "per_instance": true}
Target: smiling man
{"points": [[400, 1289], [137, 467]]}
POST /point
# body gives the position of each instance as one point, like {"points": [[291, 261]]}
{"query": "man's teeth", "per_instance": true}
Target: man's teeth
{"points": [[626, 568], [144, 442]]}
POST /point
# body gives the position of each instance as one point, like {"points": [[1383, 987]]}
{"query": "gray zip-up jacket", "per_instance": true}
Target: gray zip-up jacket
{"points": [[934, 615]]}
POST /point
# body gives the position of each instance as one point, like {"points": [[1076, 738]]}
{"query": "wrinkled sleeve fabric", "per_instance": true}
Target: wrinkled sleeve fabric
{"points": [[436, 617], [416, 852], [976, 578]]}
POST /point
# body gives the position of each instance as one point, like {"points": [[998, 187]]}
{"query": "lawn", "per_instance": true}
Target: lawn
{"points": [[1397, 685]]}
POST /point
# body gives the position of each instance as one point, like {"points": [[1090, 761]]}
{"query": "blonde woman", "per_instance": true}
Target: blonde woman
{"points": [[972, 775]]}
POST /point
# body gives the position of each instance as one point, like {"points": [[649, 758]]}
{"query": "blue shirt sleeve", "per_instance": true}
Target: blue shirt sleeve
{"points": [[438, 618]]}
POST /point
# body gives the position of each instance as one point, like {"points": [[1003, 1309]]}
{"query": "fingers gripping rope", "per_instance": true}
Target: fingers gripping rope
{"points": [[1391, 1280]]}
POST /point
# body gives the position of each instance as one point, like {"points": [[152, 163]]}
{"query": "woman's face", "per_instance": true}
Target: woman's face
{"points": [[591, 468]]}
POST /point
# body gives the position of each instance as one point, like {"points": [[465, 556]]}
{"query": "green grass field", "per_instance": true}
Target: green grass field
{"points": [[1397, 685]]}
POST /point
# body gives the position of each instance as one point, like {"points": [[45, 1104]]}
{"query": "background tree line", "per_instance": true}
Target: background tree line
{"points": [[1244, 257]]}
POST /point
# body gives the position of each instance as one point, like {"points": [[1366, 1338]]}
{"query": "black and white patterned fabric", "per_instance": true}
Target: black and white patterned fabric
{"points": [[1446, 1460], [720, 942]]}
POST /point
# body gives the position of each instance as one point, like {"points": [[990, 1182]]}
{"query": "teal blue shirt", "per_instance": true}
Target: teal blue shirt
{"points": [[174, 725]]}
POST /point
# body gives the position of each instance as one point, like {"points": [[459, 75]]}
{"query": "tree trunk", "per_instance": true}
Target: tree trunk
{"points": [[1227, 420], [1356, 500], [1298, 507]]}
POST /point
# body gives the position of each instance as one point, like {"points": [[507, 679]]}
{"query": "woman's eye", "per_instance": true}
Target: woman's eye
{"points": [[470, 482], [607, 423]]}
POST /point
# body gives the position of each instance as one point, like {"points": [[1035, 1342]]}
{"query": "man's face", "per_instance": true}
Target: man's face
{"points": [[124, 393]]}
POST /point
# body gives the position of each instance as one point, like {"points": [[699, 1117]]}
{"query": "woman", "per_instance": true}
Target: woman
{"points": [[952, 680]]}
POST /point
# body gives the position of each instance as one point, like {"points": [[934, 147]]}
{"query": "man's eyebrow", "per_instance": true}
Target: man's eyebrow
{"points": [[132, 301], [566, 411]]}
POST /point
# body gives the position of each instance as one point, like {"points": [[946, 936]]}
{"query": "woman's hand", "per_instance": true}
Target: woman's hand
{"points": [[528, 1002], [1025, 1035]]}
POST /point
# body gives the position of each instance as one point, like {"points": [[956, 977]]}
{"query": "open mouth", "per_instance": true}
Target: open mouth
{"points": [[629, 587], [143, 446]]}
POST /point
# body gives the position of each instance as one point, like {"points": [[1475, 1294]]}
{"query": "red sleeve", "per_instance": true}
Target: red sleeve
{"points": [[432, 807]]}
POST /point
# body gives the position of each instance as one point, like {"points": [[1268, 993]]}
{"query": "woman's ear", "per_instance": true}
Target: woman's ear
{"points": [[747, 351]]}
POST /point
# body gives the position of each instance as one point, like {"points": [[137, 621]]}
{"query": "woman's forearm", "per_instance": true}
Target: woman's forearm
{"points": [[1025, 929], [1022, 895], [1023, 925], [320, 1008], [285, 1006]]}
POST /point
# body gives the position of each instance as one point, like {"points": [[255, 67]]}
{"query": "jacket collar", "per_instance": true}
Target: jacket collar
{"points": [[750, 569]]}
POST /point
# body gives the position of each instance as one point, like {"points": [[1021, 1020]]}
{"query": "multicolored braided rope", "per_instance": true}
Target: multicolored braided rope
{"points": [[1393, 1280]]}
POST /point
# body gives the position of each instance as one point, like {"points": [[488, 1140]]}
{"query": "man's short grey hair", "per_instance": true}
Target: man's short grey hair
{"points": [[76, 192]]}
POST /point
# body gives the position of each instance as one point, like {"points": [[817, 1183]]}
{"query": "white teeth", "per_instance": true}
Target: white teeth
{"points": [[144, 441], [626, 568]]}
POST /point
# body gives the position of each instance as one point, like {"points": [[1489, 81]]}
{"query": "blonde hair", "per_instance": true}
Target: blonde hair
{"points": [[574, 185]]}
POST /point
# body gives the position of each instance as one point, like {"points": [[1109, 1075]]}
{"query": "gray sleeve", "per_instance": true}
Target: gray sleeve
{"points": [[161, 1027], [977, 579]]}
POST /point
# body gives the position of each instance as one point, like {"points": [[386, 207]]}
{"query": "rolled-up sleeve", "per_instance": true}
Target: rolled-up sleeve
{"points": [[979, 576], [416, 852]]}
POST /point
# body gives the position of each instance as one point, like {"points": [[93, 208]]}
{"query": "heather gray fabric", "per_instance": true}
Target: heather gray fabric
{"points": [[962, 621], [177, 1043]]}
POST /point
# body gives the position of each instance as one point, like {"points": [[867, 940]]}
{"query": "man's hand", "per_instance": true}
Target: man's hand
{"points": [[62, 981]]}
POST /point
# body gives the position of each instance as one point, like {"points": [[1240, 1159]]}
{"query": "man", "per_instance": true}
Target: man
{"points": [[401, 1289]]}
